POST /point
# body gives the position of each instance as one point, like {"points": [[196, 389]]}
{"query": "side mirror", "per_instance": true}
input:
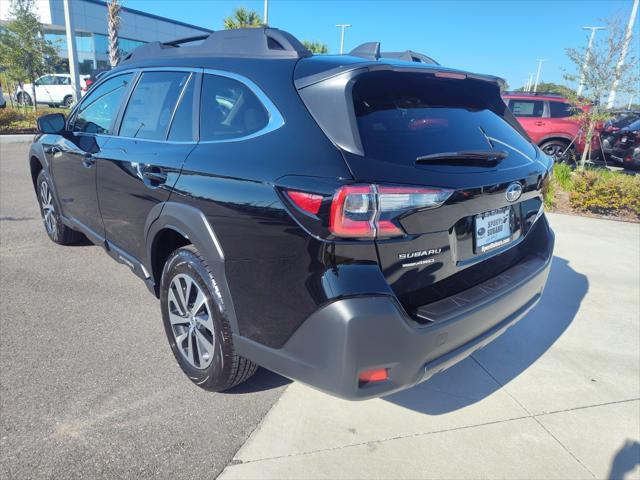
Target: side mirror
{"points": [[52, 123]]}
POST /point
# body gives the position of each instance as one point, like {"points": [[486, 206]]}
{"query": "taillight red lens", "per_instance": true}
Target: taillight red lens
{"points": [[352, 212], [309, 202], [368, 211], [377, 375]]}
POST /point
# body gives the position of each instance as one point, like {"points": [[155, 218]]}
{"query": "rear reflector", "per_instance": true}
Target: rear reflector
{"points": [[308, 202], [378, 375], [455, 76]]}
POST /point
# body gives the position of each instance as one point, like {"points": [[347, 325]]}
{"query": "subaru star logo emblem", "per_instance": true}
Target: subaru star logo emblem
{"points": [[513, 192]]}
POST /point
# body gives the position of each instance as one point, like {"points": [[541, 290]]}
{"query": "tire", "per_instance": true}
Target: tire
{"points": [[67, 102], [193, 313], [557, 149], [57, 231], [24, 99]]}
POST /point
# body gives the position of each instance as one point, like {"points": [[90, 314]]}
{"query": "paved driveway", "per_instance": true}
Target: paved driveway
{"points": [[557, 396], [88, 385]]}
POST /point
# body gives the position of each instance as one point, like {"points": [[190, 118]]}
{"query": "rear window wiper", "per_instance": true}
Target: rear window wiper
{"points": [[464, 157]]}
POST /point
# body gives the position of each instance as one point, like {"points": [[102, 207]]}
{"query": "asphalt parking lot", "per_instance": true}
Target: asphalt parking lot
{"points": [[88, 385]]}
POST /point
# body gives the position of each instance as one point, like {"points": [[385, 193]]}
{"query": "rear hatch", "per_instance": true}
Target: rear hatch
{"points": [[445, 131]]}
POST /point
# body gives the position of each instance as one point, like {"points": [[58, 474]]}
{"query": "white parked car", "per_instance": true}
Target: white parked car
{"points": [[53, 89]]}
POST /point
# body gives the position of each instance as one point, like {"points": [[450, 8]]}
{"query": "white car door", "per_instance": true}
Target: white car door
{"points": [[61, 88], [42, 86]]}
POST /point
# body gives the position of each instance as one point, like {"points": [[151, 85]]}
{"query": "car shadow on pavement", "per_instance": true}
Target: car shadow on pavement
{"points": [[508, 356], [625, 461]]}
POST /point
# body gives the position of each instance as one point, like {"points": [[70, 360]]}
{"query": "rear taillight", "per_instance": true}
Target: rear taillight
{"points": [[371, 211], [87, 83]]}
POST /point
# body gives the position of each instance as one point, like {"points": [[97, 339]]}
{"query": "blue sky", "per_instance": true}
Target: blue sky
{"points": [[502, 38]]}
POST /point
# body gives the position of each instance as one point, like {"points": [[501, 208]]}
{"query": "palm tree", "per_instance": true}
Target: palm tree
{"points": [[315, 47], [243, 18], [113, 17]]}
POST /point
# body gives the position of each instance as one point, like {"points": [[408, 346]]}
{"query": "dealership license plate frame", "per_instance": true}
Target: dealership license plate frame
{"points": [[485, 221]]}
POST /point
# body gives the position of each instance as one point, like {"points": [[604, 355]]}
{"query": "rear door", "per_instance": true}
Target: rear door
{"points": [[530, 114], [142, 163]]}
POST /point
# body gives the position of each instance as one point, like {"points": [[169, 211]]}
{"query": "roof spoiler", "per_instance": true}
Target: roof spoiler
{"points": [[241, 42]]}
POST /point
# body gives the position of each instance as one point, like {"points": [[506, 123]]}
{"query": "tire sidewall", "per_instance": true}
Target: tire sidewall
{"points": [[216, 375], [44, 177]]}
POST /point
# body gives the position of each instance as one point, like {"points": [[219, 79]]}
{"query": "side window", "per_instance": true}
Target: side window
{"points": [[560, 110], [63, 81], [46, 80], [182, 124], [99, 108], [152, 103], [229, 109], [527, 108]]}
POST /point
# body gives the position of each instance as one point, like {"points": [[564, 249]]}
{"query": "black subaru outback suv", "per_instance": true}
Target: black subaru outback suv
{"points": [[356, 223]]}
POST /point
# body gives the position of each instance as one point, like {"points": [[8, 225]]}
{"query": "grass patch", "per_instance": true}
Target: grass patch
{"points": [[562, 173], [19, 120]]}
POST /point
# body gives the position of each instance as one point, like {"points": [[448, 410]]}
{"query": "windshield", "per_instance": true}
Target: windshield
{"points": [[403, 116]]}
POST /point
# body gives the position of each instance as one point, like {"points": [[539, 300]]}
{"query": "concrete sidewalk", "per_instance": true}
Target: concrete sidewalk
{"points": [[557, 396]]}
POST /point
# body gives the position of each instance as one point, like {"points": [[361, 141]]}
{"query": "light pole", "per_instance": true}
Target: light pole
{"points": [[265, 17], [586, 56], [535, 86], [529, 83], [623, 53], [342, 27], [71, 50]]}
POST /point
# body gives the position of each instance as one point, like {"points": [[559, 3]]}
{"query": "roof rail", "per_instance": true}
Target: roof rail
{"points": [[410, 56], [241, 42], [534, 94], [370, 51]]}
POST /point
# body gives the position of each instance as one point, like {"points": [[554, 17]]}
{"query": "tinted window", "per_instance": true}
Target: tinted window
{"points": [[404, 116], [527, 108], [182, 124], [152, 103], [560, 110], [229, 109], [99, 108]]}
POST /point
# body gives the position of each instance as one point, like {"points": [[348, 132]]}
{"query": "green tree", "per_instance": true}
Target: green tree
{"points": [[598, 73], [550, 87], [315, 47], [243, 18], [23, 50]]}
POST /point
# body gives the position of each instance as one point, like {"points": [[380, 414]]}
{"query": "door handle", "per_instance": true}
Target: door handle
{"points": [[540, 123], [155, 176], [51, 149], [88, 160]]}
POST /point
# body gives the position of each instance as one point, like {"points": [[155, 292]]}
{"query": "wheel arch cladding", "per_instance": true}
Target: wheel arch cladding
{"points": [[35, 165], [183, 225]]}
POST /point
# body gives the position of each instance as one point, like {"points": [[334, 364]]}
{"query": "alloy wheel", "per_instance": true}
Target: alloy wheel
{"points": [[48, 210], [191, 321], [557, 151]]}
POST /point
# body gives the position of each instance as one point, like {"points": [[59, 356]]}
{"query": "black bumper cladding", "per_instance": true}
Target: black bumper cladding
{"points": [[338, 342]]}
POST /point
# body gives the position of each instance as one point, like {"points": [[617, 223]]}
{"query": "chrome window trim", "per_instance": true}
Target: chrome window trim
{"points": [[276, 120]]}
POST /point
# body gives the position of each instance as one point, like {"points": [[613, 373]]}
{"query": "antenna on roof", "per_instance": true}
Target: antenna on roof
{"points": [[370, 50]]}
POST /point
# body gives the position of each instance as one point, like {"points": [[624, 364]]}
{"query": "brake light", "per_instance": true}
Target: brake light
{"points": [[370, 211], [378, 375], [308, 202]]}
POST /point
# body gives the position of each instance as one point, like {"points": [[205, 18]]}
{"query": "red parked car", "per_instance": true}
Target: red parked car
{"points": [[550, 123]]}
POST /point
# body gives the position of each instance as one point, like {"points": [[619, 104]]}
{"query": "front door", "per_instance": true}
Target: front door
{"points": [[41, 87], [530, 114], [141, 165], [74, 157]]}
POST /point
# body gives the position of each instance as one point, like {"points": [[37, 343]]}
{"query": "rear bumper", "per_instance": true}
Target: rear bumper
{"points": [[339, 341]]}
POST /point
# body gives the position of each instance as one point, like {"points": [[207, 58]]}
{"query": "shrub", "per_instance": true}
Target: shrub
{"points": [[605, 192], [18, 120], [562, 173]]}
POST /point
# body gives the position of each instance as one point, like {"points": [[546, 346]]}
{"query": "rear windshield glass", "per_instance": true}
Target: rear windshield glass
{"points": [[403, 116]]}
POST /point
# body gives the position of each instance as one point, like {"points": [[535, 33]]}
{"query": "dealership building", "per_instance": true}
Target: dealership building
{"points": [[90, 22]]}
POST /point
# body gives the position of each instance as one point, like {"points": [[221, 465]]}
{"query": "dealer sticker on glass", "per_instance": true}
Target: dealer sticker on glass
{"points": [[493, 229]]}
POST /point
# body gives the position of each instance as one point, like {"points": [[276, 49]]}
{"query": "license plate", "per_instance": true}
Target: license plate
{"points": [[493, 229]]}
